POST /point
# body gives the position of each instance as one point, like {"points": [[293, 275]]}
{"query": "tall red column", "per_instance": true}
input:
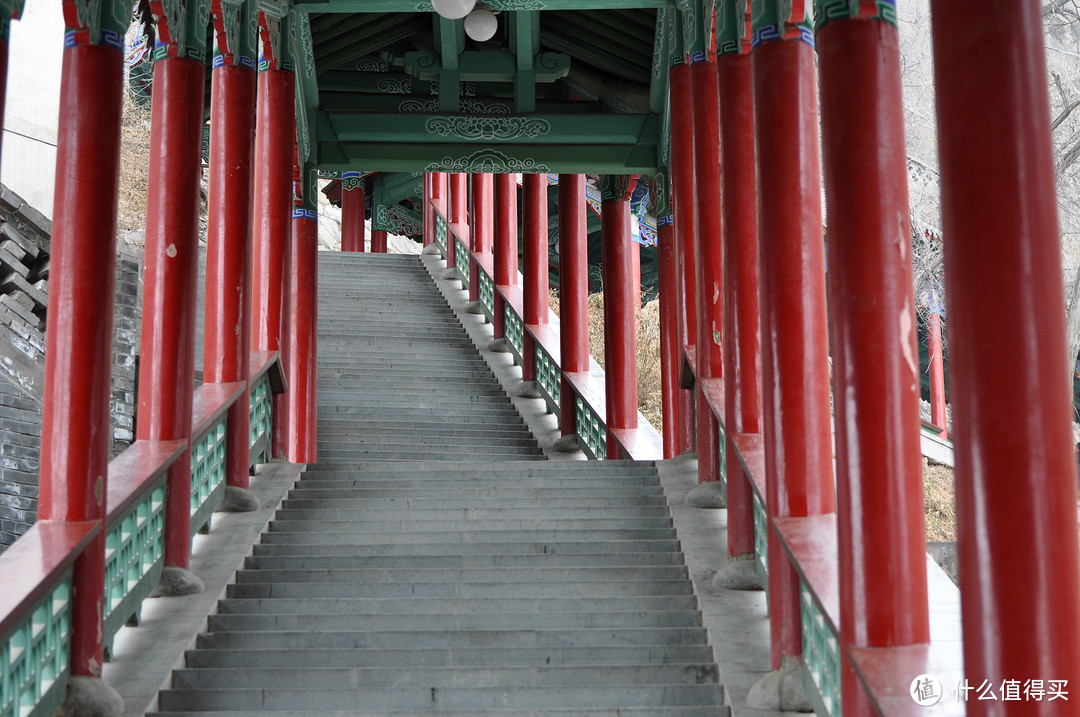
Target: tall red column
{"points": [[75, 435], [795, 378], [481, 226], [439, 190], [275, 132], [1015, 468], [669, 335], [227, 317], [378, 241], [429, 211], [937, 374], [880, 529], [534, 263], [682, 205], [505, 245], [167, 366], [742, 319], [352, 219], [708, 259], [573, 292], [301, 371], [458, 214], [620, 316]]}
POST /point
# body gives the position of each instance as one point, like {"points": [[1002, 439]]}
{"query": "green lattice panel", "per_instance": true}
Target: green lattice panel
{"points": [[487, 294], [34, 657], [549, 378], [515, 333], [821, 655], [262, 420], [591, 430], [462, 259], [440, 232], [761, 540], [207, 475], [134, 550]]}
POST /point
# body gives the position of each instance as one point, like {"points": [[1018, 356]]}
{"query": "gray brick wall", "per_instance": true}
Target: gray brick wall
{"points": [[24, 278]]}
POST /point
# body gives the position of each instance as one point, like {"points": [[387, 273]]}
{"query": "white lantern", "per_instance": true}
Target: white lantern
{"points": [[453, 9], [481, 24]]}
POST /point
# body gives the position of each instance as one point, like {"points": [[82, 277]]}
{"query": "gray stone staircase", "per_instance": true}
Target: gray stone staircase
{"points": [[434, 562]]}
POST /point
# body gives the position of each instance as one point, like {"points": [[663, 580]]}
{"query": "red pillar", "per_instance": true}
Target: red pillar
{"points": [[669, 336], [742, 336], [708, 259], [795, 378], [275, 132], [620, 317], [167, 366], [429, 211], [227, 350], [301, 371], [439, 190], [1015, 467], [505, 259], [573, 292], [937, 375], [880, 529], [75, 437], [458, 214], [3, 73], [534, 263], [682, 206], [352, 219], [378, 241], [482, 226]]}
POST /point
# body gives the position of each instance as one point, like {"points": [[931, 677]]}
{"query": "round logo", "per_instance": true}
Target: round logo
{"points": [[925, 690]]}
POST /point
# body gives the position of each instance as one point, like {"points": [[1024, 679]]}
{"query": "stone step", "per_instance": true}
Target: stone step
{"points": [[472, 502], [482, 550], [475, 527], [430, 639], [463, 576], [503, 589], [453, 516], [584, 560], [677, 711], [438, 606], [428, 698], [568, 495], [449, 537], [337, 678], [450, 657], [453, 621]]}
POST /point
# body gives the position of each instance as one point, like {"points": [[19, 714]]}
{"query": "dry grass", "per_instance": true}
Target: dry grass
{"points": [[134, 166], [939, 492]]}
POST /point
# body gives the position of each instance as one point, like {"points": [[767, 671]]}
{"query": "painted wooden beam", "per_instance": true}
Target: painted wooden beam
{"points": [[551, 158], [382, 6], [576, 129]]}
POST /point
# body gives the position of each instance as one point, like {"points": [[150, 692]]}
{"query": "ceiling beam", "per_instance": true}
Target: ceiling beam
{"points": [[378, 6]]}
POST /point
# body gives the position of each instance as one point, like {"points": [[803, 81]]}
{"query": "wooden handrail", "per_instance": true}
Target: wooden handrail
{"points": [[35, 562], [135, 471]]}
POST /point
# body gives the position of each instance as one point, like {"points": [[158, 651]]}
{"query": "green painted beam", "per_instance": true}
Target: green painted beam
{"points": [[628, 58], [590, 129], [376, 6], [357, 29], [602, 61], [361, 102], [489, 66], [553, 158], [393, 83], [662, 42], [373, 42], [307, 88]]}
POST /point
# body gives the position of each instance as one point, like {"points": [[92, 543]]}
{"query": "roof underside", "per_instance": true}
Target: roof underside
{"points": [[563, 86]]}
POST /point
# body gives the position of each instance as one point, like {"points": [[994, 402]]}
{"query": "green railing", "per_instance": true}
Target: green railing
{"points": [[548, 378], [591, 430], [487, 294], [134, 554], [262, 419], [462, 259], [821, 656], [440, 231], [761, 541], [515, 333], [207, 475], [34, 656]]}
